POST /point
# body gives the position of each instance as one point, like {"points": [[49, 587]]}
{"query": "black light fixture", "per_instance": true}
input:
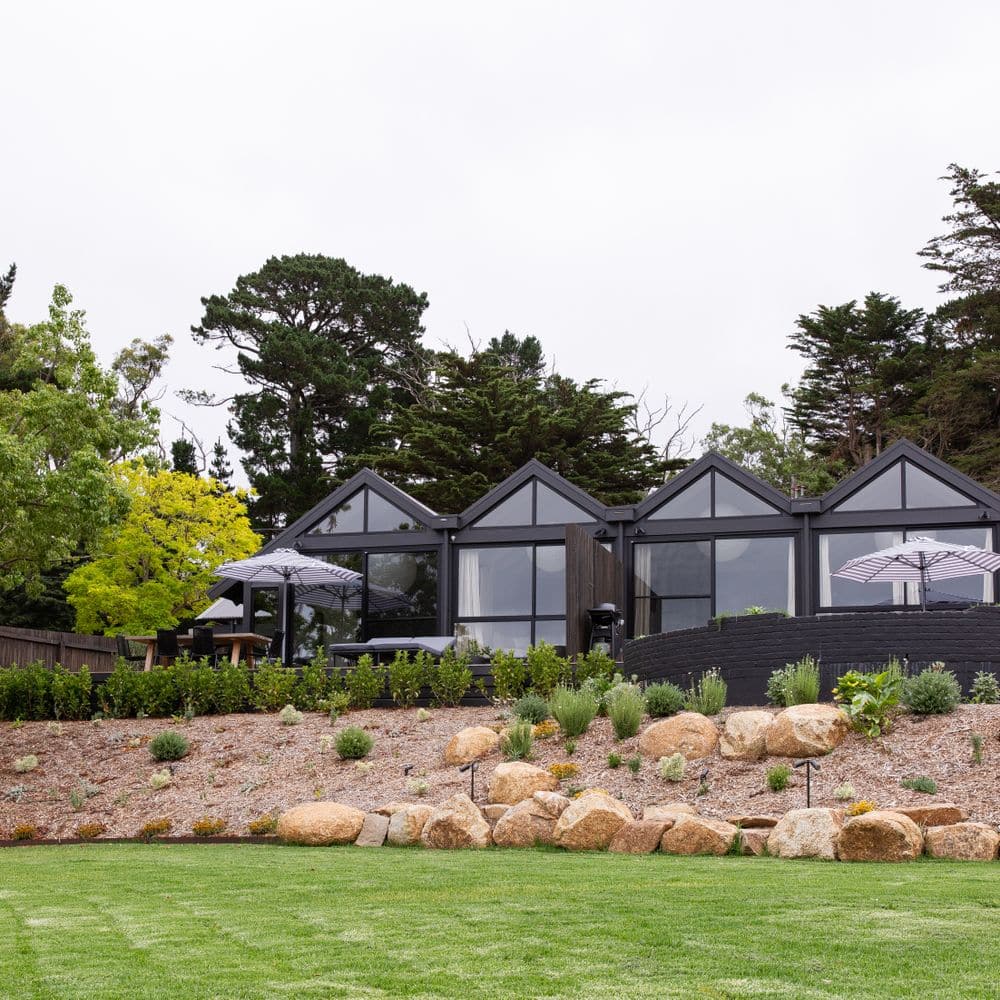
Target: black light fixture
{"points": [[471, 767], [985, 515], [406, 769], [639, 531], [810, 765]]}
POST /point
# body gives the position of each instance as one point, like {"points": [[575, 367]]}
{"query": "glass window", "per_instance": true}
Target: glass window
{"points": [[754, 572], [348, 517], [734, 501], [385, 516], [264, 601], [693, 501], [553, 632], [882, 493], [496, 635], [316, 626], [924, 490], [975, 588], [550, 580], [512, 512], [668, 569], [551, 508], [494, 581], [402, 594], [835, 549]]}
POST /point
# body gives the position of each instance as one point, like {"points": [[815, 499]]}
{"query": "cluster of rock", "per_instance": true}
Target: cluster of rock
{"points": [[525, 810]]}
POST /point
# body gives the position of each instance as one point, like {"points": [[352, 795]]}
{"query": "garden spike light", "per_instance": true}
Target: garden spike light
{"points": [[810, 766], [471, 767]]}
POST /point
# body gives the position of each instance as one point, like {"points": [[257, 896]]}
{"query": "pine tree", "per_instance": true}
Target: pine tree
{"points": [[219, 468], [184, 458]]}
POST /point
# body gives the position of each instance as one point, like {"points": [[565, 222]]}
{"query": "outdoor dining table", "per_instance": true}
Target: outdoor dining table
{"points": [[241, 644]]}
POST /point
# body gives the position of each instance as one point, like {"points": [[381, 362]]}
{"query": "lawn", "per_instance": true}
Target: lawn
{"points": [[233, 921]]}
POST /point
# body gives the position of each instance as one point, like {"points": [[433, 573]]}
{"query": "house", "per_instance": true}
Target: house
{"points": [[711, 541]]}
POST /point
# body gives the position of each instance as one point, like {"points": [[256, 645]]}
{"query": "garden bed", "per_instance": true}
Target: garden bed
{"points": [[241, 767]]}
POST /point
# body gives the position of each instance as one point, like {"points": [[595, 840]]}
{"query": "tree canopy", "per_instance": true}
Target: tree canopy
{"points": [[483, 416], [328, 353], [154, 569]]}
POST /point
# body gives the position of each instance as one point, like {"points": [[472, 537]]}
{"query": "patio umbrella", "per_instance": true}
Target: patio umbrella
{"points": [[920, 560], [336, 597], [284, 566]]}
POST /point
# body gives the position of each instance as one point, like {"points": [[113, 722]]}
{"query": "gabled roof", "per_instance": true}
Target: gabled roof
{"points": [[920, 458], [420, 512], [713, 460], [533, 469]]}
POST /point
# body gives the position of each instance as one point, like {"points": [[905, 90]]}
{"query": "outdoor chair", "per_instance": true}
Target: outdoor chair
{"points": [[166, 644], [203, 644], [128, 652], [274, 648]]}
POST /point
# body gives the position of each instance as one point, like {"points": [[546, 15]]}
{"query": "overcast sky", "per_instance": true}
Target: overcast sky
{"points": [[655, 190]]}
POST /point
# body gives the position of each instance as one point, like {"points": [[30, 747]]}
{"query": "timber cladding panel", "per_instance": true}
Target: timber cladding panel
{"points": [[26, 645], [593, 576], [745, 650]]}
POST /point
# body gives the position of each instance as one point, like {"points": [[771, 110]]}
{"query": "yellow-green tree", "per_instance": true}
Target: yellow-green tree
{"points": [[154, 568]]}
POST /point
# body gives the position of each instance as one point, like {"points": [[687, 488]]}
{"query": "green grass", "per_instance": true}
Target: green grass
{"points": [[246, 921]]}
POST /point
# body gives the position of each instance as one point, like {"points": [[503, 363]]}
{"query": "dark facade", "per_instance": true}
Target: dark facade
{"points": [[714, 540]]}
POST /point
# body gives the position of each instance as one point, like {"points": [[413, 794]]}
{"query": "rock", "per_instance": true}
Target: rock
{"points": [[494, 811], [528, 823], [642, 836], [753, 841], [669, 811], [456, 822], [880, 835], [406, 824], [554, 802], [517, 781], [320, 823], [806, 731], [470, 744], [934, 814], [806, 833], [752, 822], [962, 842], [391, 807], [373, 831], [688, 733], [698, 835], [590, 822], [744, 736]]}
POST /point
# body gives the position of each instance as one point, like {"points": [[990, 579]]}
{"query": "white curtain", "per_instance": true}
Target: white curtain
{"points": [[791, 576], [470, 598], [642, 569]]}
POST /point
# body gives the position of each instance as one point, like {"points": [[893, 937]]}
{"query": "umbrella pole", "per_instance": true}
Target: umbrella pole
{"points": [[923, 583]]}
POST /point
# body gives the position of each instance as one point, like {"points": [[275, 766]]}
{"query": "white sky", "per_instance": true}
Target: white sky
{"points": [[655, 190]]}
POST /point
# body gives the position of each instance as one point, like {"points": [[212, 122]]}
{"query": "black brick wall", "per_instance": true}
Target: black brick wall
{"points": [[746, 650]]}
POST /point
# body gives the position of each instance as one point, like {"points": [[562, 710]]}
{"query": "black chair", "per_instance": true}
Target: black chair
{"points": [[166, 644], [275, 648], [128, 652], [203, 644]]}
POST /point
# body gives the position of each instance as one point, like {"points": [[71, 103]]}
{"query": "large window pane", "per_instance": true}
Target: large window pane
{"points": [[837, 549], [494, 581], [754, 572], [551, 508], [512, 512], [882, 493], [348, 517], [667, 569], [316, 627], [975, 588], [402, 593], [550, 580], [734, 501], [693, 501], [923, 490], [552, 632], [489, 636], [385, 516], [657, 615], [264, 602]]}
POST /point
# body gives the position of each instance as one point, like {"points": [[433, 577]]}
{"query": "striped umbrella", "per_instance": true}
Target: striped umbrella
{"points": [[288, 566], [920, 560]]}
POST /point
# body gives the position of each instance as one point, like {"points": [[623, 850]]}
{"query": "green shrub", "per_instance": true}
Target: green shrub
{"points": [[311, 688], [663, 699], [869, 699], [516, 742], [339, 702], [921, 784], [168, 745], [777, 687], [232, 687], [156, 692], [406, 679], [119, 694], [573, 710], [353, 743], [510, 673], [845, 792], [802, 686], [777, 777], [546, 668], [672, 767], [976, 742], [71, 693], [194, 684], [27, 763], [531, 707], [614, 760], [596, 665], [451, 678], [364, 682], [932, 692], [273, 686], [26, 692], [625, 709], [290, 716], [707, 695], [634, 764], [985, 689]]}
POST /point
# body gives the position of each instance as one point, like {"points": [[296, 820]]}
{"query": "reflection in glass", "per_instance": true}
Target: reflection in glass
{"points": [[667, 569], [348, 517], [512, 512], [693, 501], [489, 636], [553, 632], [734, 501], [551, 508], [494, 581], [975, 588], [882, 493], [550, 580], [385, 516], [923, 490], [264, 601], [835, 549], [754, 572], [412, 575]]}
